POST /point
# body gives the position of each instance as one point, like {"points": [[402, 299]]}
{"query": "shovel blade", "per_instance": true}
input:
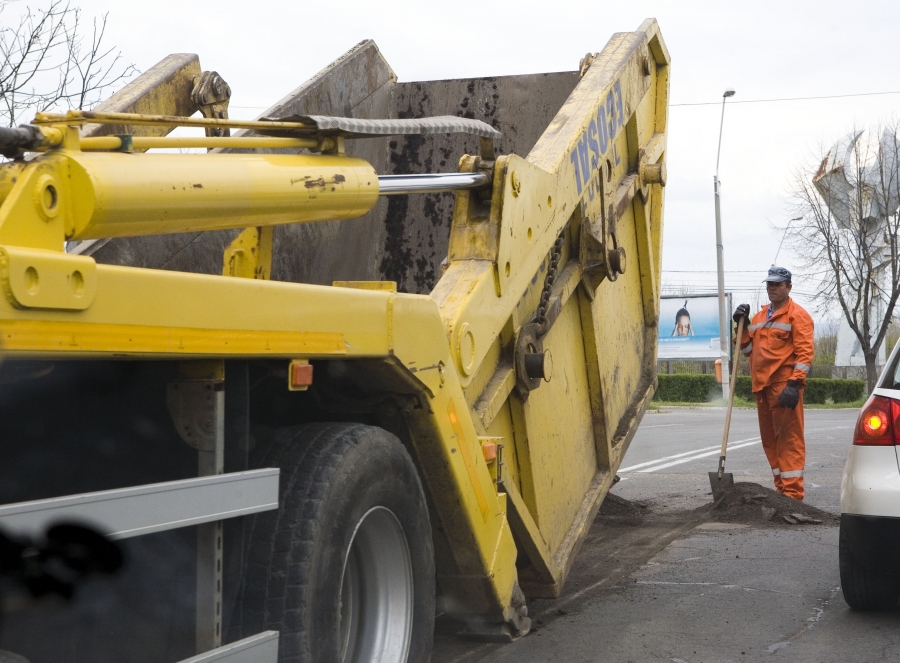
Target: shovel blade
{"points": [[720, 486]]}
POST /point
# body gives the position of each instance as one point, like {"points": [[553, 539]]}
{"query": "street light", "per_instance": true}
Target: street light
{"points": [[724, 337], [786, 228]]}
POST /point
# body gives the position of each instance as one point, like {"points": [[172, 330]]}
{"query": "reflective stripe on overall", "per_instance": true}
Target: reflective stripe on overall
{"points": [[780, 348]]}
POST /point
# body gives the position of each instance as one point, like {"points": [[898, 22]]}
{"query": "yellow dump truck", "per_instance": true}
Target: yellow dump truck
{"points": [[374, 358]]}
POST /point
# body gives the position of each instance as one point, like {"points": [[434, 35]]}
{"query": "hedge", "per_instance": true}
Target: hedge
{"points": [[686, 388], [704, 388]]}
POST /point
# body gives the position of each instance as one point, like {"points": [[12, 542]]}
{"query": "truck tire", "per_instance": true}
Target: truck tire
{"points": [[344, 570], [864, 589]]}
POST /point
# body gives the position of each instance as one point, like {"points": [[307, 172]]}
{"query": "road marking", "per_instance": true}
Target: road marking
{"points": [[715, 452], [632, 468], [696, 454], [716, 584], [660, 426], [717, 447]]}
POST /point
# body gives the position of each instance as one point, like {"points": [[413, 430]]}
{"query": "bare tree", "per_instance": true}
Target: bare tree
{"points": [[826, 340], [849, 232], [47, 60]]}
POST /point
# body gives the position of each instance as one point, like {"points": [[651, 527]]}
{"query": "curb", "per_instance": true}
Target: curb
{"points": [[669, 408]]}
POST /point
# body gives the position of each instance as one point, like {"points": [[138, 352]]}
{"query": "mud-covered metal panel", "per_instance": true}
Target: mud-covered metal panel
{"points": [[418, 227], [164, 89], [180, 252], [560, 446], [358, 84]]}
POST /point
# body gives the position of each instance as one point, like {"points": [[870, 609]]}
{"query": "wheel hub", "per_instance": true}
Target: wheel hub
{"points": [[376, 608]]}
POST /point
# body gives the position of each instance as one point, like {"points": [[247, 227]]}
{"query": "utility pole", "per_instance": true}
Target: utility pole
{"points": [[724, 326]]}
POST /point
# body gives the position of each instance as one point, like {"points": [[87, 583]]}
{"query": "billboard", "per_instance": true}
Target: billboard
{"points": [[689, 326]]}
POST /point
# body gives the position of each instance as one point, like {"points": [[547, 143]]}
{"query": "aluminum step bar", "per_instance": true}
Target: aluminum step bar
{"points": [[138, 510], [261, 648]]}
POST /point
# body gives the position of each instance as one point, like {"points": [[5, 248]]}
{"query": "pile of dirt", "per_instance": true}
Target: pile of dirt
{"points": [[752, 504], [618, 509]]}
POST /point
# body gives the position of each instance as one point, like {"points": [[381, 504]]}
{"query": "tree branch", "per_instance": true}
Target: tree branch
{"points": [[46, 63]]}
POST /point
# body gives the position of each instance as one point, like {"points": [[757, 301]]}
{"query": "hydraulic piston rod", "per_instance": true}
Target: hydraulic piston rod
{"points": [[395, 185], [113, 194], [92, 195]]}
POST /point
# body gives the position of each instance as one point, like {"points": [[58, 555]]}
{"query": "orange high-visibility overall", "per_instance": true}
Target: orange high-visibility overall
{"points": [[780, 349]]}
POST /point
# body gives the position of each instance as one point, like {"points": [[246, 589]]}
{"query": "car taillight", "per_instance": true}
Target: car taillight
{"points": [[878, 423]]}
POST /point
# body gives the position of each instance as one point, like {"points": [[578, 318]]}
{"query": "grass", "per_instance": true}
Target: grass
{"points": [[838, 406], [738, 403], [744, 403]]}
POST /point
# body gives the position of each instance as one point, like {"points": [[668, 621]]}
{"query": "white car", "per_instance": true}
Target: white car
{"points": [[869, 547]]}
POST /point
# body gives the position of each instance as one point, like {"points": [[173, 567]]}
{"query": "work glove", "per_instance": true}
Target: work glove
{"points": [[742, 311], [790, 395]]}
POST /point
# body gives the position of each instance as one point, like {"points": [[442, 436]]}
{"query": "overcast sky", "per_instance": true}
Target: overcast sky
{"points": [[764, 50]]}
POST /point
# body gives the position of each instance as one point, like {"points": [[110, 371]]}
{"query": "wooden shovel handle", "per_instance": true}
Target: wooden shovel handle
{"points": [[737, 357]]}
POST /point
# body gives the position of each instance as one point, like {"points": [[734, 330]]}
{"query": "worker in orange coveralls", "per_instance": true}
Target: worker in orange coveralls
{"points": [[779, 343]]}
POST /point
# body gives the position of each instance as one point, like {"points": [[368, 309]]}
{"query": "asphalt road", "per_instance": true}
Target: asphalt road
{"points": [[674, 449], [675, 588]]}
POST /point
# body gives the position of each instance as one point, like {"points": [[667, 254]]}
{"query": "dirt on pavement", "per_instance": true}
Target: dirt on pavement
{"points": [[618, 509], [624, 536], [753, 504]]}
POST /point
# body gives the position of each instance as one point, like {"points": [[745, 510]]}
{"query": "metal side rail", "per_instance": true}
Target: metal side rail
{"points": [[149, 508], [261, 648], [138, 510]]}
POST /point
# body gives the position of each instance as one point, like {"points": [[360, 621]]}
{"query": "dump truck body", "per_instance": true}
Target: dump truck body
{"points": [[505, 335]]}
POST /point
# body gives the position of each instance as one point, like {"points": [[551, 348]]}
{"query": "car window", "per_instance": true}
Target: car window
{"points": [[891, 378]]}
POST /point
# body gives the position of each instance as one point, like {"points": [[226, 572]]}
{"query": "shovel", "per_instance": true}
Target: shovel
{"points": [[721, 481]]}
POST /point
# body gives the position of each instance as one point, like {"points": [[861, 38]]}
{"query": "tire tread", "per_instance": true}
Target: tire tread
{"points": [[280, 541], [864, 589]]}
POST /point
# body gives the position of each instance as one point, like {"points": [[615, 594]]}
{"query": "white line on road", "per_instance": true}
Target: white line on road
{"points": [[715, 452], [716, 447], [696, 454], [715, 584], [661, 426], [632, 468]]}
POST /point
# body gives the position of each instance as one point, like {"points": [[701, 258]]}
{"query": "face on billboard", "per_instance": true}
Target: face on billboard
{"points": [[689, 327]]}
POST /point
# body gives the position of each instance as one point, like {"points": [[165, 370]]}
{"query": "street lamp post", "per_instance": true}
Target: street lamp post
{"points": [[724, 336], [786, 228]]}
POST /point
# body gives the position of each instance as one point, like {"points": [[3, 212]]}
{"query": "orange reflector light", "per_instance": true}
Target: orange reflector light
{"points": [[878, 423], [300, 375], [489, 449]]}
